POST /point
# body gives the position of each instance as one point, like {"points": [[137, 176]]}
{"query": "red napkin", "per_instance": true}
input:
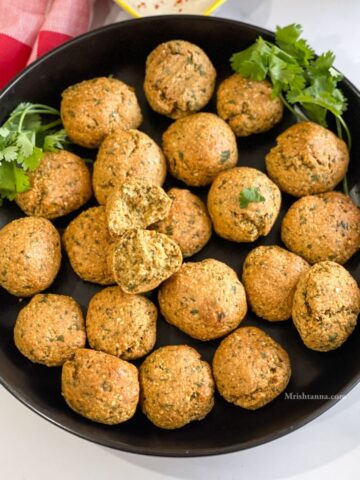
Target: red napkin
{"points": [[30, 28]]}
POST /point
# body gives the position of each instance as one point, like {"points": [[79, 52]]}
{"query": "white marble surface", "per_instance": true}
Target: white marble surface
{"points": [[328, 448]]}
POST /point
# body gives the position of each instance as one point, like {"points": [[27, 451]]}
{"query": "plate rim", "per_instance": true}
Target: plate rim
{"points": [[115, 25], [324, 405]]}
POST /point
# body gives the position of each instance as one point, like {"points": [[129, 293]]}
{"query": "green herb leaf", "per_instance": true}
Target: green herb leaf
{"points": [[288, 39], [250, 195], [55, 141], [8, 154], [308, 86], [32, 122], [4, 132], [22, 182], [23, 138], [7, 178], [32, 162], [224, 156], [24, 144], [252, 62]]}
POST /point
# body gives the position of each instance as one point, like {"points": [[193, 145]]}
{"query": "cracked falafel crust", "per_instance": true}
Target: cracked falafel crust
{"points": [[142, 259], [136, 204]]}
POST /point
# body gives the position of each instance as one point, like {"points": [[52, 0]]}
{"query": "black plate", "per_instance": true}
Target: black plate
{"points": [[121, 49]]}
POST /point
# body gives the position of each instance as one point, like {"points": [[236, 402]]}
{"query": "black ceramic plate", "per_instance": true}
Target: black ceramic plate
{"points": [[121, 50]]}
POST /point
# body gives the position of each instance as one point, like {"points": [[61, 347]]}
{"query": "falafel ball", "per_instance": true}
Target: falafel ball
{"points": [[30, 256], [198, 147], [270, 275], [59, 185], [127, 155], [142, 259], [243, 204], [135, 204], [307, 159], [322, 227], [121, 324], [100, 387], [247, 105], [250, 384], [204, 299], [92, 109], [326, 306], [188, 222], [49, 329], [177, 387], [87, 242], [179, 78]]}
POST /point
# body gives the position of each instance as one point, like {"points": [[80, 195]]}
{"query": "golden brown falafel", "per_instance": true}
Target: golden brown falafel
{"points": [[198, 147], [121, 324], [188, 222], [87, 243], [326, 306], [247, 105], [59, 185], [176, 387], [250, 384], [179, 78], [307, 159], [270, 275], [204, 299], [30, 256], [237, 222], [92, 109], [322, 227], [127, 155], [49, 329], [100, 387]]}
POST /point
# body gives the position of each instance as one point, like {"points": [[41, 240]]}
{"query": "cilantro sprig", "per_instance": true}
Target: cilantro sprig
{"points": [[307, 85], [250, 195], [24, 137]]}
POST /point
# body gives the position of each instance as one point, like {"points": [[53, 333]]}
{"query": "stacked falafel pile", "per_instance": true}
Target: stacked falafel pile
{"points": [[139, 234]]}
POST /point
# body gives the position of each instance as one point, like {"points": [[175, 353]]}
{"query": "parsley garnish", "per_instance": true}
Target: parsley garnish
{"points": [[306, 84], [23, 139], [250, 195], [224, 156]]}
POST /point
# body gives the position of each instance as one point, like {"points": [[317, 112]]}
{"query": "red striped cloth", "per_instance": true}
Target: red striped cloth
{"points": [[30, 28]]}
